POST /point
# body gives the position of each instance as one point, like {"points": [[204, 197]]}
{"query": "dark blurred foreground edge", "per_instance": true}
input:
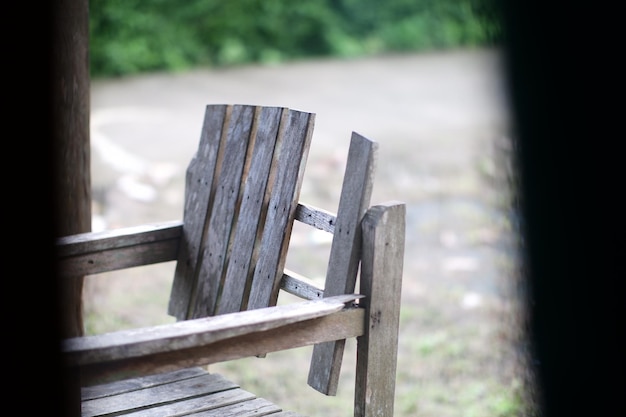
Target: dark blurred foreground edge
{"points": [[563, 78], [562, 68], [35, 383]]}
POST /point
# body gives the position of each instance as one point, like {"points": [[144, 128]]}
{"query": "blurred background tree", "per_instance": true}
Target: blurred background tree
{"points": [[133, 36]]}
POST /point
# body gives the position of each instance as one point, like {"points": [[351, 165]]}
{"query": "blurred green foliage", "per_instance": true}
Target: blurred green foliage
{"points": [[131, 36]]}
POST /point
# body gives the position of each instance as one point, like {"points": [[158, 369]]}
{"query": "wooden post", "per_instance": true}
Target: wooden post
{"points": [[381, 282], [70, 116], [70, 108]]}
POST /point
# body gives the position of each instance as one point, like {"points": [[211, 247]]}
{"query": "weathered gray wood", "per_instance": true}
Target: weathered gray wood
{"points": [[92, 253], [222, 401], [133, 384], [117, 248], [251, 212], [253, 408], [217, 239], [241, 197], [82, 243], [294, 141], [193, 333], [298, 285], [240, 203], [316, 217], [345, 253], [158, 394], [198, 192], [114, 259], [188, 391], [381, 282], [342, 324]]}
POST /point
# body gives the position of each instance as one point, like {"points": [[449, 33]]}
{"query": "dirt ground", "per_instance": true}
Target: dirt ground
{"points": [[442, 123]]}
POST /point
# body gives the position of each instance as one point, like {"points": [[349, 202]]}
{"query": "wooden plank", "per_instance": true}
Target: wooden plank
{"points": [[342, 324], [345, 253], [299, 286], [115, 259], [133, 384], [198, 192], [222, 401], [254, 408], [187, 334], [316, 217], [290, 160], [239, 272], [216, 243], [83, 243], [381, 282], [92, 253], [159, 394]]}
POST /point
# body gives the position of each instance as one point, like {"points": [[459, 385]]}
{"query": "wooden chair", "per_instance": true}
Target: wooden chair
{"points": [[241, 199]]}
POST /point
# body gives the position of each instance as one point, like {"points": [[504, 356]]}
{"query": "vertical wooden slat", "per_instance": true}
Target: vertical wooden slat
{"points": [[199, 180], [238, 271], [381, 282], [293, 146], [345, 253], [216, 243]]}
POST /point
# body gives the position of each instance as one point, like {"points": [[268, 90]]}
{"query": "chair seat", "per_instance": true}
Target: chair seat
{"points": [[191, 391]]}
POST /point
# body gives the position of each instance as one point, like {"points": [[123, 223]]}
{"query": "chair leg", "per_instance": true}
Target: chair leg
{"points": [[381, 281]]}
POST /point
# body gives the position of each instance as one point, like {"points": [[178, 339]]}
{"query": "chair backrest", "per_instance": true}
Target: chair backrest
{"points": [[241, 199], [241, 195]]}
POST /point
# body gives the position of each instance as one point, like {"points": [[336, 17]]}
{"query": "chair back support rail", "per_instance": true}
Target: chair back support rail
{"points": [[241, 198]]}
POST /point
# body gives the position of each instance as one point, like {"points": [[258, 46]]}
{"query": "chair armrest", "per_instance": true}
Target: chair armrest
{"points": [[95, 252], [116, 355]]}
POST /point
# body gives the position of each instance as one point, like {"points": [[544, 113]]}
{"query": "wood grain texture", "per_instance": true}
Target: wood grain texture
{"points": [[342, 324], [92, 253], [345, 253], [251, 213], [190, 391], [299, 286], [198, 193], [290, 160], [241, 197], [194, 333], [381, 282], [253, 408], [83, 243], [316, 217], [133, 384], [157, 394], [215, 244], [221, 402]]}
